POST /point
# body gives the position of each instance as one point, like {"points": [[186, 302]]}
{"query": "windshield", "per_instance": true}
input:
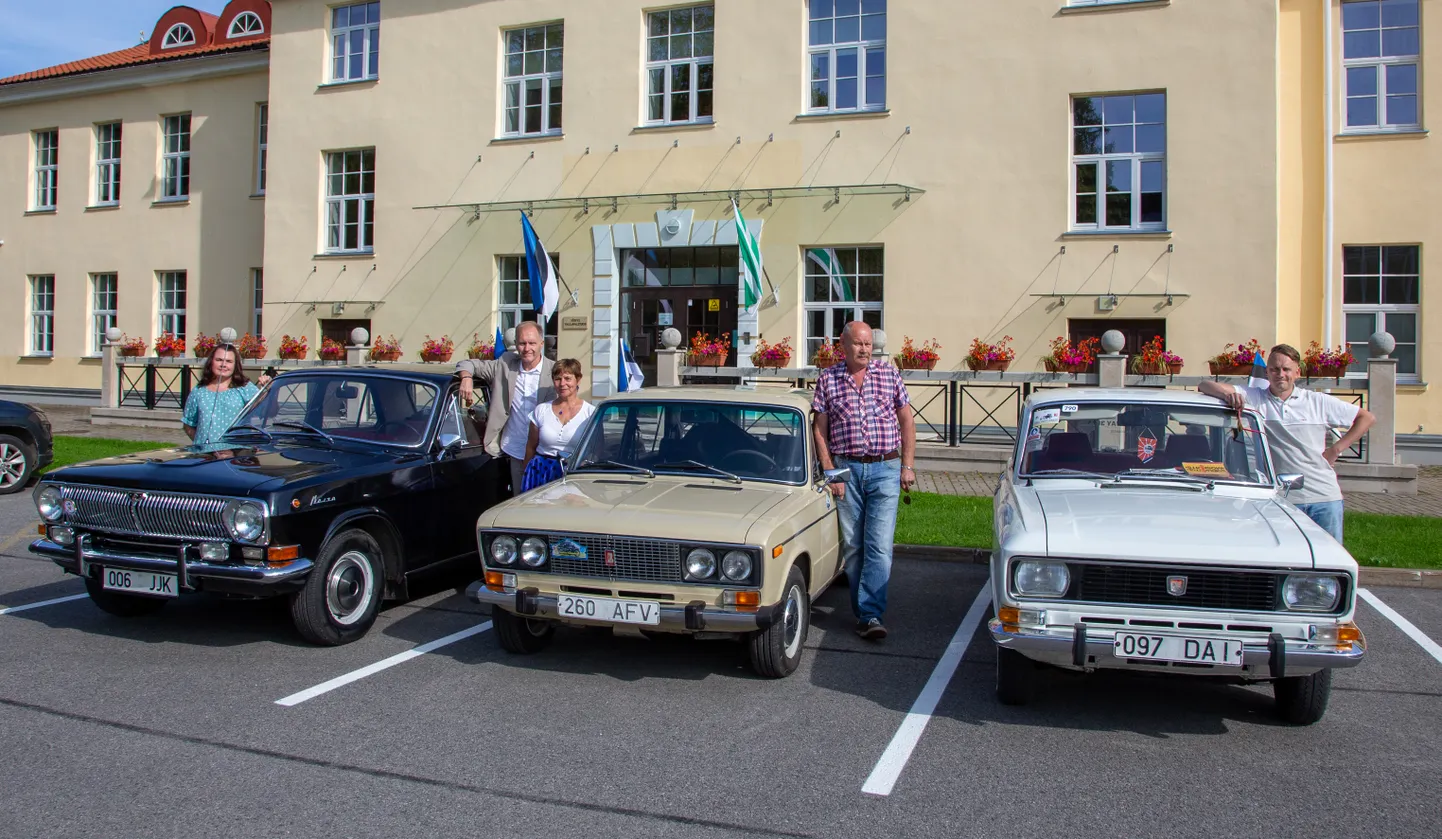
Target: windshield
{"points": [[706, 439], [327, 407], [1145, 439]]}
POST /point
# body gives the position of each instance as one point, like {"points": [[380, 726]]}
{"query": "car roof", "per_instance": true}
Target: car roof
{"points": [[440, 377], [770, 397], [1121, 394]]}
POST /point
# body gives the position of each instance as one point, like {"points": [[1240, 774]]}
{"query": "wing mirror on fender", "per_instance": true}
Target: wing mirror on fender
{"points": [[449, 442], [1291, 481], [836, 476]]}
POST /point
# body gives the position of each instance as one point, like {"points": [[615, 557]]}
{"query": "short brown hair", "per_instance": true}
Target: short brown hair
{"points": [[1288, 350], [566, 365]]}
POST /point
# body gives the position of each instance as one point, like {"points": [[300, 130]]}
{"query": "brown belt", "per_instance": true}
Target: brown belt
{"points": [[872, 458]]}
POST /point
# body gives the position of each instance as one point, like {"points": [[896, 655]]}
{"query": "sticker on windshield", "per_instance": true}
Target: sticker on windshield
{"points": [[1206, 470], [1045, 416], [1146, 448], [1068, 409], [568, 549], [1033, 439]]}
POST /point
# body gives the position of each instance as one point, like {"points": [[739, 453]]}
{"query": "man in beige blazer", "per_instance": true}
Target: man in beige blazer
{"points": [[517, 383]]}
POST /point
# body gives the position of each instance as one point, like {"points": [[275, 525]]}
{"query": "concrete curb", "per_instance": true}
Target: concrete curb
{"points": [[1397, 577]]}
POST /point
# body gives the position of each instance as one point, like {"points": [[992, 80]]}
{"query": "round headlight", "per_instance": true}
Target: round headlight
{"points": [[503, 550], [48, 502], [1311, 592], [245, 520], [736, 565], [533, 551], [700, 564], [1042, 579]]}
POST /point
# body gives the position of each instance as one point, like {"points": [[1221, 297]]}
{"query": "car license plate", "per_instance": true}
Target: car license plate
{"points": [[138, 582], [609, 609], [1223, 652]]}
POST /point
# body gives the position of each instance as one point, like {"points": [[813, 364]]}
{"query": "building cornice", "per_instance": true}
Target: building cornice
{"points": [[145, 75]]}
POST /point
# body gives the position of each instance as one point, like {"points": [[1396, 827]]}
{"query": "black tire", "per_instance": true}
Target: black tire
{"points": [[521, 636], [122, 605], [1015, 677], [343, 592], [776, 650], [1302, 700], [17, 464]]}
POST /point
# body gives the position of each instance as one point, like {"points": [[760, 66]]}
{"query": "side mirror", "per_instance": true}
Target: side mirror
{"points": [[449, 442], [836, 476], [1291, 481]]}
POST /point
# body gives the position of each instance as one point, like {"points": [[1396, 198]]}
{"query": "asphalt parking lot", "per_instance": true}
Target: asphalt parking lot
{"points": [[171, 725]]}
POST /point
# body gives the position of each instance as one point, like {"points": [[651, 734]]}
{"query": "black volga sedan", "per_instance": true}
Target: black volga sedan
{"points": [[25, 445], [334, 487]]}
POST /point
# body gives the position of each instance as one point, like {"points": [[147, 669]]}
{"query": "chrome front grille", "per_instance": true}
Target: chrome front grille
{"points": [[145, 513], [642, 560]]}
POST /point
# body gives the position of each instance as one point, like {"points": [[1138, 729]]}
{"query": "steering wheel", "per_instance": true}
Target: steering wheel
{"points": [[745, 457]]}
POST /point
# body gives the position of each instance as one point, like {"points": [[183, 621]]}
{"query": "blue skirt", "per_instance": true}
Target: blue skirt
{"points": [[541, 470]]}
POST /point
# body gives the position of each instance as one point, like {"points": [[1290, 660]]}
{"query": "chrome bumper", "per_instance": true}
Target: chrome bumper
{"points": [[78, 558], [691, 617], [1272, 658]]}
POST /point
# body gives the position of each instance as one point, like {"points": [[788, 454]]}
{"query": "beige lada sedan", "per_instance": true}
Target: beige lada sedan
{"points": [[683, 510]]}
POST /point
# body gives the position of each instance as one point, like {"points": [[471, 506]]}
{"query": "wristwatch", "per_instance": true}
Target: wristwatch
{"points": [[908, 467]]}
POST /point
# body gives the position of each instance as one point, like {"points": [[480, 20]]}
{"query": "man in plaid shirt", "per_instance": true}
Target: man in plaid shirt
{"points": [[864, 423]]}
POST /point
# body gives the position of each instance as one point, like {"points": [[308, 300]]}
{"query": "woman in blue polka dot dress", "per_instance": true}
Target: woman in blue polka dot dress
{"points": [[222, 394]]}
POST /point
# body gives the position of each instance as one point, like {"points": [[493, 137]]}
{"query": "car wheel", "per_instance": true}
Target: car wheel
{"points": [[1302, 700], [776, 650], [522, 636], [122, 605], [17, 464], [1015, 677], [343, 592]]}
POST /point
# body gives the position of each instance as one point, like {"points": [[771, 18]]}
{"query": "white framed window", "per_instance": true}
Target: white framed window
{"points": [[245, 24], [47, 168], [1119, 162], [171, 310], [842, 285], [1381, 40], [680, 44], [350, 190], [355, 39], [533, 80], [846, 51], [257, 297], [42, 314], [107, 164], [262, 137], [175, 158], [104, 308], [179, 35], [515, 296], [1382, 292]]}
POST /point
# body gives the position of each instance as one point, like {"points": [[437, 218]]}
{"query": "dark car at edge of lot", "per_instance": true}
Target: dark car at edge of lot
{"points": [[25, 445]]}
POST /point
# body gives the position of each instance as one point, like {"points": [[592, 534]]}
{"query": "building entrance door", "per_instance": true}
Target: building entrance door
{"points": [[649, 311]]}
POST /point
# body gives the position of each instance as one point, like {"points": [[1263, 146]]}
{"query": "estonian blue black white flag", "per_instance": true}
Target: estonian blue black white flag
{"points": [[629, 376], [545, 293], [1258, 376]]}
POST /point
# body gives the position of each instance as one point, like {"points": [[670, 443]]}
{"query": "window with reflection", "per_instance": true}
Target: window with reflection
{"points": [[1119, 168], [1382, 292], [1381, 40]]}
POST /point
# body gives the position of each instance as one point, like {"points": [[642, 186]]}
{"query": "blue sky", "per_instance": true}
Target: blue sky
{"points": [[35, 34]]}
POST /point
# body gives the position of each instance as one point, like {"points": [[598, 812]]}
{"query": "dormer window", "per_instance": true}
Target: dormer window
{"points": [[245, 24], [179, 35]]}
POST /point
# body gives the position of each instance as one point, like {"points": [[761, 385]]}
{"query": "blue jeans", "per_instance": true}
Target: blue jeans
{"points": [[868, 530], [1327, 515]]}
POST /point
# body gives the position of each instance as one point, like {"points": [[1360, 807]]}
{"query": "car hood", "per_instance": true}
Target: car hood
{"points": [[664, 507], [1173, 526], [238, 471]]}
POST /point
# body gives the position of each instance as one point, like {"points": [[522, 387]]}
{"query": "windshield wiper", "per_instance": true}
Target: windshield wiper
{"points": [[304, 426], [693, 464], [1166, 475], [247, 429], [1069, 473], [611, 464]]}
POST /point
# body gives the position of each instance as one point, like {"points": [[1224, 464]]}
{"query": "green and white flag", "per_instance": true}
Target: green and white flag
{"points": [[831, 267], [750, 261]]}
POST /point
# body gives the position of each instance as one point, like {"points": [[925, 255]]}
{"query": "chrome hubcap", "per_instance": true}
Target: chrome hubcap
{"points": [[792, 621], [349, 587], [12, 465]]}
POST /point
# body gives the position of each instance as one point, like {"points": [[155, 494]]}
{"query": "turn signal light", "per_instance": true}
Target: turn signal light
{"points": [[494, 581], [1010, 618], [42, 531], [747, 601], [776, 551], [281, 554], [1348, 632]]}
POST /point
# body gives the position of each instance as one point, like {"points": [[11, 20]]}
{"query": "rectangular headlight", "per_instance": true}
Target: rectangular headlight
{"points": [[1311, 592], [1036, 578]]}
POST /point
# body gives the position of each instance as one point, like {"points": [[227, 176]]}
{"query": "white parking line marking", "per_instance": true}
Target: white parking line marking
{"points": [[8, 610], [385, 664], [1403, 624], [898, 752]]}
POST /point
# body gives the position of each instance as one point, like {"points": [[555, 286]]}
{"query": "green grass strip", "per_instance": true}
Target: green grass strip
{"points": [[71, 450]]}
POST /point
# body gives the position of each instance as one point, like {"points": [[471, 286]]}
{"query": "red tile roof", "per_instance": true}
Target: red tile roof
{"points": [[141, 54]]}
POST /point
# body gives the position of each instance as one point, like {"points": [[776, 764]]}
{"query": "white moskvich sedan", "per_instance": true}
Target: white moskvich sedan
{"points": [[1146, 530]]}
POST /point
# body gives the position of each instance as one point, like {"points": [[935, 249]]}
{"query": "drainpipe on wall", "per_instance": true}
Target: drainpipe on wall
{"points": [[1327, 73]]}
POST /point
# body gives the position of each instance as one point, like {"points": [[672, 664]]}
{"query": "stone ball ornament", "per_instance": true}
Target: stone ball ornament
{"points": [[113, 335], [359, 337], [1381, 344], [228, 336], [878, 341], [670, 338], [1113, 342]]}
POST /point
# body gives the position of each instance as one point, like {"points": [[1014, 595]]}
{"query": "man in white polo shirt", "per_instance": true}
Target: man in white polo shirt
{"points": [[1296, 421]]}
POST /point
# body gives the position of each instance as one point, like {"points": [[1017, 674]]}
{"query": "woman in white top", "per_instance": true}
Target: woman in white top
{"points": [[554, 424]]}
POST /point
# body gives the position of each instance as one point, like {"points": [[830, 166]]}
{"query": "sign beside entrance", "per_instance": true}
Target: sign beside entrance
{"points": [[571, 322], [664, 318], [713, 305]]}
